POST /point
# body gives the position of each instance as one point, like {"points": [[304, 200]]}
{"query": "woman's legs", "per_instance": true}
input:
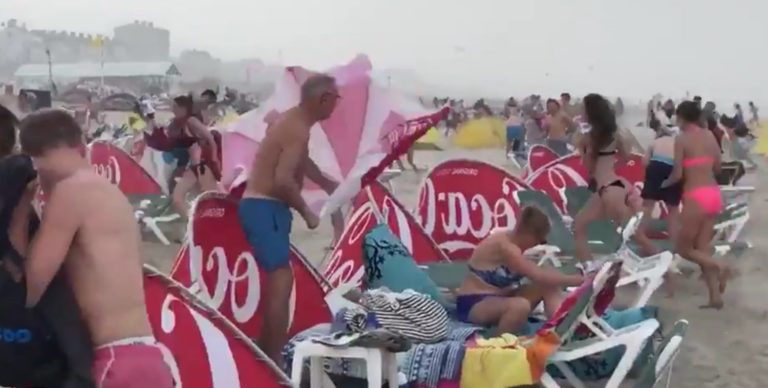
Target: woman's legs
{"points": [[704, 244], [509, 313], [641, 236], [592, 211], [673, 221], [207, 181], [693, 224], [179, 196], [536, 293], [615, 206]]}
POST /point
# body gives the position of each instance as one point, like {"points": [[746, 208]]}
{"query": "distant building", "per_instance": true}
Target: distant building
{"points": [[134, 76], [197, 65], [143, 41], [139, 41]]}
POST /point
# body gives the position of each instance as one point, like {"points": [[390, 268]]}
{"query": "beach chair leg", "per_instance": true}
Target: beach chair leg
{"points": [[296, 370], [736, 232], [373, 366], [315, 372], [569, 375], [151, 223], [548, 382], [631, 351], [392, 375]]}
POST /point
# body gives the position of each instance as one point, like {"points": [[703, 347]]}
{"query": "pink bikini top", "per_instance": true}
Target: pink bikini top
{"points": [[698, 161]]}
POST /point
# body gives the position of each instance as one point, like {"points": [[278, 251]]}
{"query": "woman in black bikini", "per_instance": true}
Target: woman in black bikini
{"points": [[599, 149]]}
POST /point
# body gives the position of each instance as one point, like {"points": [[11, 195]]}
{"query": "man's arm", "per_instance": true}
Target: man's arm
{"points": [[201, 132], [677, 170], [315, 175], [48, 249], [285, 176]]}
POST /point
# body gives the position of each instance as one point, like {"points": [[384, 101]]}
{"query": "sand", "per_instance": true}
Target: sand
{"points": [[727, 348]]}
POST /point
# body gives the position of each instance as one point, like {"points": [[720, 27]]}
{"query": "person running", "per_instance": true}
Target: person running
{"points": [[571, 109], [755, 116], [659, 161], [515, 132], [88, 229], [697, 160], [493, 293], [739, 116], [599, 149], [196, 167], [273, 188], [557, 125]]}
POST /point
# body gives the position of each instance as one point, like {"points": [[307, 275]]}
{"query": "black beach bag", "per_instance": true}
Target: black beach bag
{"points": [[29, 355]]}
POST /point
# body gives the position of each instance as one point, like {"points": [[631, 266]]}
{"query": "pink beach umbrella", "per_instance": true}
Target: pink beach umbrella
{"points": [[369, 128]]}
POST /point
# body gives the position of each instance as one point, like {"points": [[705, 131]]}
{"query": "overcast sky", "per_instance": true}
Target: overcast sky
{"points": [[634, 48]]}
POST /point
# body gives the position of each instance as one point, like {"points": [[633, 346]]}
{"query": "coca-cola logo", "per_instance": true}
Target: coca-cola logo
{"points": [[243, 275], [212, 213], [462, 217], [458, 211], [200, 347], [225, 274], [345, 263], [109, 170]]}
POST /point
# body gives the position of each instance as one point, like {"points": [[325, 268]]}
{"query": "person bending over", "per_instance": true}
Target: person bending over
{"points": [[272, 190], [503, 286]]}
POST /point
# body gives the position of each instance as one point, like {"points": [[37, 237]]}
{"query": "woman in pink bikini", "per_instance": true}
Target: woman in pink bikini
{"points": [[697, 160]]}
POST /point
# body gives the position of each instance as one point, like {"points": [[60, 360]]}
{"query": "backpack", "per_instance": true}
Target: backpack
{"points": [[29, 353]]}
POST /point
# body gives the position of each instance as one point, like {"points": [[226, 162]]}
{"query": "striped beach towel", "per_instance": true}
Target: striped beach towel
{"points": [[410, 314]]}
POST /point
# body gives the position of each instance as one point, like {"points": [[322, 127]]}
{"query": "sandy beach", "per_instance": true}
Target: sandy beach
{"points": [[727, 348]]}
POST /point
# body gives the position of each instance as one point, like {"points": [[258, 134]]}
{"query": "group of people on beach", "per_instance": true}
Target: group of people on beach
{"points": [[503, 287], [80, 266], [77, 269]]}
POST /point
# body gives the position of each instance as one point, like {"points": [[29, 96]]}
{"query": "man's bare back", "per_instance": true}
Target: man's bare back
{"points": [[103, 264], [288, 131]]}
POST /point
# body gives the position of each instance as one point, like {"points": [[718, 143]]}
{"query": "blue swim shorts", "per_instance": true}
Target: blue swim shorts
{"points": [[267, 227], [514, 132]]}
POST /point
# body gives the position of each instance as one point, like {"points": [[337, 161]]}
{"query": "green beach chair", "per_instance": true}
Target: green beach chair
{"points": [[576, 198], [602, 235]]}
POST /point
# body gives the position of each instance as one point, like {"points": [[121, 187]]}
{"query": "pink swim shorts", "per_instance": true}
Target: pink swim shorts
{"points": [[131, 363]]}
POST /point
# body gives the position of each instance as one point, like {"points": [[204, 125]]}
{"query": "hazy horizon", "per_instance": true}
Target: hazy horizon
{"points": [[488, 47]]}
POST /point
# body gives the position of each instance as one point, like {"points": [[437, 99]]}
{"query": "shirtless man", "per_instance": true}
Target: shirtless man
{"points": [[88, 230], [557, 125], [273, 188]]}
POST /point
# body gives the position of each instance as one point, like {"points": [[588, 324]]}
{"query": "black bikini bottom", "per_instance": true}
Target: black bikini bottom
{"points": [[593, 186]]}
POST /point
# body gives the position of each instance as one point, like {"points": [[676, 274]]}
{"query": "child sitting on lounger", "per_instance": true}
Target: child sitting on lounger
{"points": [[493, 292]]}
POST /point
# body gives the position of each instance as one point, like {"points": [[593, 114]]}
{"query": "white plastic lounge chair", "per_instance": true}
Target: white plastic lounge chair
{"points": [[604, 337], [661, 362], [388, 176], [153, 211]]}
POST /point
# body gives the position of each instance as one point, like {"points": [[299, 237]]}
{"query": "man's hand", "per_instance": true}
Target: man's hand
{"points": [[311, 219], [32, 188]]}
